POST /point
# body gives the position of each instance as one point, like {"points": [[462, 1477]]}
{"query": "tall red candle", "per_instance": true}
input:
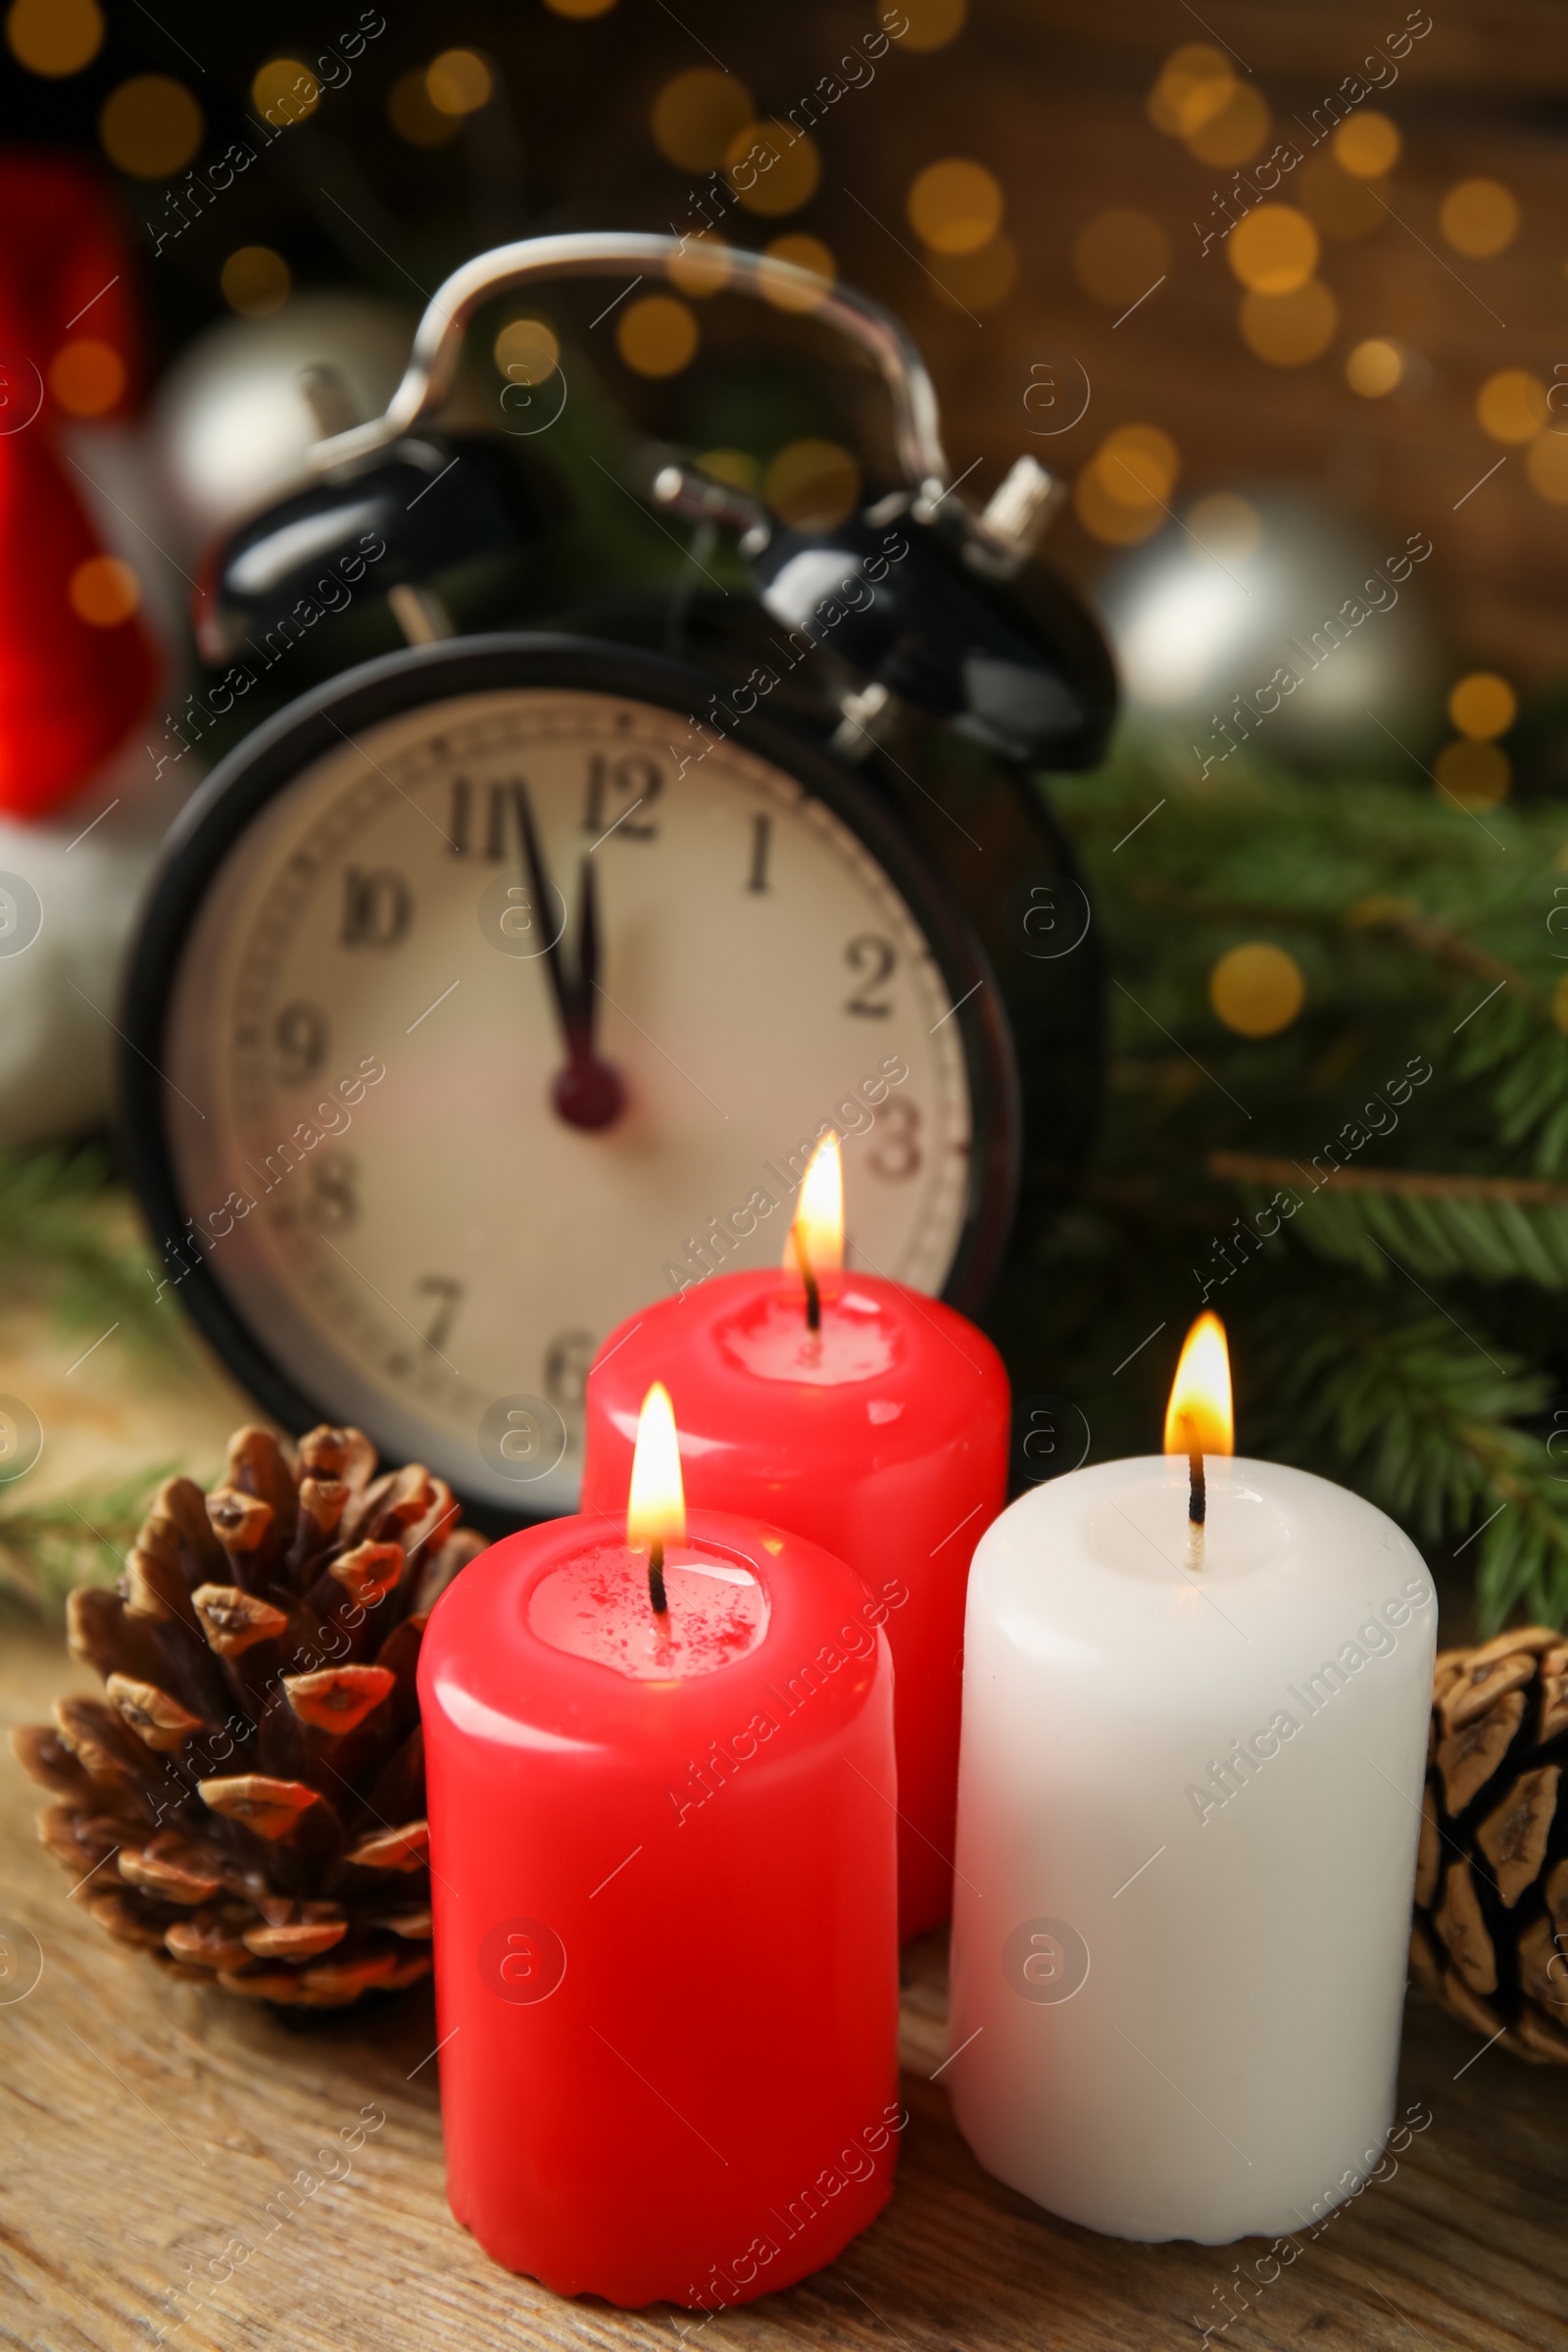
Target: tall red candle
{"points": [[882, 1436], [664, 1880]]}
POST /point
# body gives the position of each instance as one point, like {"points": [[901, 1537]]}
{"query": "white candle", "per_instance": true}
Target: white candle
{"points": [[1189, 1799]]}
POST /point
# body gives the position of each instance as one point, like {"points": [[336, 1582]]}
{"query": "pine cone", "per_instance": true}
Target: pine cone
{"points": [[1491, 1932], [245, 1802]]}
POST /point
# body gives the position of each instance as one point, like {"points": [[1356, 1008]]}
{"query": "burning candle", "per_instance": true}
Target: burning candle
{"points": [[861, 1415], [661, 1785], [1193, 1748]]}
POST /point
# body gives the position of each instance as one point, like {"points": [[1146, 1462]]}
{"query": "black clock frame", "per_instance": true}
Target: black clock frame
{"points": [[270, 759]]}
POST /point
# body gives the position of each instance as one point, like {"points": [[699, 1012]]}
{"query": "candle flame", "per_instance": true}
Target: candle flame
{"points": [[1199, 1418], [656, 1508], [820, 1213]]}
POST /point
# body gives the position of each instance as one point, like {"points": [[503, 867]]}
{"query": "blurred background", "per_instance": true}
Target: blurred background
{"points": [[1280, 294]]}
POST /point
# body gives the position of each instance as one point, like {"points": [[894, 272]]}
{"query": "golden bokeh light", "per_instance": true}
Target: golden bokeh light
{"points": [[772, 171], [932, 24], [814, 485], [1226, 525], [1287, 330], [1119, 254], [526, 351], [255, 280], [1199, 1415], [1235, 134], [415, 117], [1479, 218], [1511, 406], [150, 126], [1139, 465], [1475, 775], [1367, 146], [1547, 465], [737, 467], [808, 254], [656, 335], [1107, 519], [1274, 249], [285, 92], [979, 280], [1195, 84], [697, 114], [579, 8], [703, 267], [1482, 706], [1257, 990], [104, 591], [458, 81], [955, 205], [86, 377], [54, 36], [1373, 367], [1340, 205]]}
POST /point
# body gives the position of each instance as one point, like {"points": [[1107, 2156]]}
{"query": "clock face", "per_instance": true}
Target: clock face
{"points": [[402, 1207]]}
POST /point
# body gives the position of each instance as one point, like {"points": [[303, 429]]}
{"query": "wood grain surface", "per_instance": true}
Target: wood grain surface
{"points": [[145, 2127]]}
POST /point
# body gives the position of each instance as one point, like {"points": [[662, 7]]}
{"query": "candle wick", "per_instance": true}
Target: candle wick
{"points": [[814, 1295], [1198, 1504], [656, 1578]]}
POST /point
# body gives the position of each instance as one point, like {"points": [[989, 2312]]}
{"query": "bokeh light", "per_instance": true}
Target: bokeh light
{"points": [[1120, 255], [1256, 990], [579, 8], [1226, 526], [780, 175], [1479, 218], [1367, 145], [737, 467], [526, 351], [955, 205], [86, 377], [1287, 330], [1373, 367], [285, 92], [1274, 249], [150, 126], [104, 591], [696, 116], [814, 485], [458, 81], [415, 117], [1482, 706], [703, 267], [54, 36], [979, 280], [1123, 493], [1195, 84], [656, 335], [807, 252], [1511, 406], [1235, 134], [255, 280], [1477, 774], [932, 24], [1547, 465]]}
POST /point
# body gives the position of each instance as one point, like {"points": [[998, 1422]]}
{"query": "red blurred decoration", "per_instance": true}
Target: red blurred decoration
{"points": [[69, 692]]}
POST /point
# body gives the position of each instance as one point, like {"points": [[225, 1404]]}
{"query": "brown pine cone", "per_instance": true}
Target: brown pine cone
{"points": [[1491, 1932], [246, 1801]]}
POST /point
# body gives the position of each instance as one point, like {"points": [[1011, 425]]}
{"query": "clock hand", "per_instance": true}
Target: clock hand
{"points": [[587, 1092]]}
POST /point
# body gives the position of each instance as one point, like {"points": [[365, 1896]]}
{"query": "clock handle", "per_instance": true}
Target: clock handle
{"points": [[432, 362]]}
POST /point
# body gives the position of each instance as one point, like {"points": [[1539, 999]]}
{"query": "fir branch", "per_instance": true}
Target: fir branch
{"points": [[58, 1243], [1503, 1229], [80, 1537], [1424, 1424]]}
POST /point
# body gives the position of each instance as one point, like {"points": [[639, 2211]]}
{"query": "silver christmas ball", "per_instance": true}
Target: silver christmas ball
{"points": [[231, 423], [1269, 617]]}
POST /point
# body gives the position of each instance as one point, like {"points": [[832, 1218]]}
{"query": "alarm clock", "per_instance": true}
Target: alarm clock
{"points": [[508, 981]]}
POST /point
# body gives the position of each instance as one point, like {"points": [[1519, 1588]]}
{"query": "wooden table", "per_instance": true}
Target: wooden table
{"points": [[144, 2128]]}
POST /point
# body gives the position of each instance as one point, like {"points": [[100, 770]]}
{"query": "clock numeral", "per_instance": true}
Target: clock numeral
{"points": [[762, 844], [896, 1155], [566, 1363], [332, 1202], [377, 905], [875, 957], [617, 787], [499, 801], [300, 1035], [448, 1294]]}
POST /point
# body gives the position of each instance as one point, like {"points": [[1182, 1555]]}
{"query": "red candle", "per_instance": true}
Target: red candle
{"points": [[662, 1784], [865, 1416]]}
